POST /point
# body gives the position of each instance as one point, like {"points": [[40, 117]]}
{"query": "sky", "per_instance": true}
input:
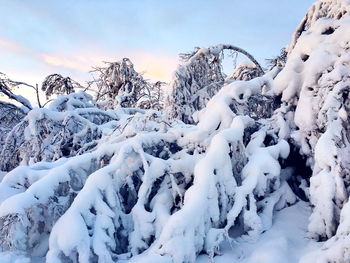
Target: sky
{"points": [[41, 37]]}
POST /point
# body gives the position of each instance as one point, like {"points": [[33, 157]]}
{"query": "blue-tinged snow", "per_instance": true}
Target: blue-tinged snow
{"points": [[285, 242]]}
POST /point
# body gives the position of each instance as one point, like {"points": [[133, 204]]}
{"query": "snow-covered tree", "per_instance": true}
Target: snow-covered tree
{"points": [[6, 89], [119, 84], [244, 71], [10, 116], [68, 127], [314, 86], [279, 60], [57, 84], [133, 184], [197, 80], [135, 192]]}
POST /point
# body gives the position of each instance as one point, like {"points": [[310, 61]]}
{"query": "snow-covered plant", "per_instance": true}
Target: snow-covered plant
{"points": [[10, 116], [321, 9], [152, 186], [54, 185], [155, 99], [279, 60], [197, 80], [244, 71], [68, 127], [6, 87], [140, 185], [57, 84], [315, 86], [119, 84]]}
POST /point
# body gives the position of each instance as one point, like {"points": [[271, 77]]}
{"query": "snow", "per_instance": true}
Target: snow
{"points": [[13, 257], [2, 175], [323, 55], [286, 241], [218, 113]]}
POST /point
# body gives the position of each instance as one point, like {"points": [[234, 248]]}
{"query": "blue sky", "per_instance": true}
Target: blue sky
{"points": [[41, 37]]}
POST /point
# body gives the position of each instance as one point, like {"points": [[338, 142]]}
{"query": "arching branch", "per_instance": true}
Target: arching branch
{"points": [[216, 50], [198, 79], [244, 52]]}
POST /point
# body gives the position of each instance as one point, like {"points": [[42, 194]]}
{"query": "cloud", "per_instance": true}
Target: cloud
{"points": [[65, 62], [14, 47], [11, 46], [156, 66]]}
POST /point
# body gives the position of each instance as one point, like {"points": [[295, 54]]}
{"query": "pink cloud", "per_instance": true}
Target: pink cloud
{"points": [[156, 66], [13, 47]]}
